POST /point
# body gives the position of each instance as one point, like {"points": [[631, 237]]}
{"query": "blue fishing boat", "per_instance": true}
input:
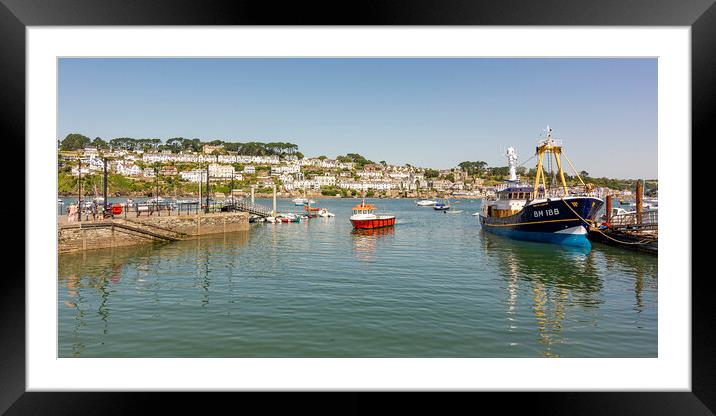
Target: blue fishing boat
{"points": [[540, 212]]}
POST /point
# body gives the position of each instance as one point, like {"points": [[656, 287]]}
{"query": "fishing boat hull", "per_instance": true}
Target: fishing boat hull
{"points": [[373, 223], [558, 221]]}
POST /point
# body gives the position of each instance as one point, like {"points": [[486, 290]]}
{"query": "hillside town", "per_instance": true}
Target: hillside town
{"points": [[148, 170]]}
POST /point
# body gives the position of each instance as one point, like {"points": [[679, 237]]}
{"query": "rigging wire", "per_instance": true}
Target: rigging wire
{"points": [[574, 169], [523, 163]]}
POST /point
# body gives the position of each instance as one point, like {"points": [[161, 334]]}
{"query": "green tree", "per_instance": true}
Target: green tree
{"points": [[431, 173], [500, 171], [75, 141], [175, 143], [359, 160], [125, 143], [473, 168], [100, 144]]}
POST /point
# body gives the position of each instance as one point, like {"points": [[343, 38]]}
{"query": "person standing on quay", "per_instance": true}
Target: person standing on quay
{"points": [[72, 213]]}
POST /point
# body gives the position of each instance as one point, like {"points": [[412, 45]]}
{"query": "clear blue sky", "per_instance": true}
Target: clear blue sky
{"points": [[426, 112]]}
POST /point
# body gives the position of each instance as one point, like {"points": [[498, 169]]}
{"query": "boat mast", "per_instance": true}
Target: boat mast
{"points": [[554, 147]]}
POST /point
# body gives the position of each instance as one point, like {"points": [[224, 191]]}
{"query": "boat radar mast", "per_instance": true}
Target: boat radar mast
{"points": [[511, 161], [549, 145]]}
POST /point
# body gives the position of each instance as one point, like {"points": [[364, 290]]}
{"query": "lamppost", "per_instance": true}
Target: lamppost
{"points": [[104, 192], [79, 188], [156, 188], [231, 191], [207, 189]]}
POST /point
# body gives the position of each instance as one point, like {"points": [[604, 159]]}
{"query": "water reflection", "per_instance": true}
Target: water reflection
{"points": [[365, 241], [433, 281], [554, 278], [90, 279], [549, 264], [644, 269], [558, 279]]}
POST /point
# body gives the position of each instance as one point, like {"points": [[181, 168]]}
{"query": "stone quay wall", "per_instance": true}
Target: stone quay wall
{"points": [[147, 229], [195, 225], [79, 239]]}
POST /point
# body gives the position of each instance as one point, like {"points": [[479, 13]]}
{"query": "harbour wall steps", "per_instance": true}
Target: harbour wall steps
{"points": [[93, 235]]}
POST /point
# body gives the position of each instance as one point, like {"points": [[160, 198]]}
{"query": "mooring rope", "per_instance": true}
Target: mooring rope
{"points": [[645, 241]]}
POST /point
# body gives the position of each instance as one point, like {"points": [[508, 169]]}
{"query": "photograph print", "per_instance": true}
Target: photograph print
{"points": [[357, 207]]}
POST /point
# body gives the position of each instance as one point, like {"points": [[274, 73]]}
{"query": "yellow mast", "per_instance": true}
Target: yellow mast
{"points": [[539, 173], [544, 146], [557, 153]]}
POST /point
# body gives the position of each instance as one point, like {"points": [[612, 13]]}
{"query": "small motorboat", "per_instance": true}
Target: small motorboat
{"points": [[288, 217], [364, 217], [425, 203], [302, 201], [453, 212], [311, 211], [325, 214], [442, 206]]}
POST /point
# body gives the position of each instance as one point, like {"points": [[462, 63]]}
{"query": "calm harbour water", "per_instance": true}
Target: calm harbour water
{"points": [[435, 285]]}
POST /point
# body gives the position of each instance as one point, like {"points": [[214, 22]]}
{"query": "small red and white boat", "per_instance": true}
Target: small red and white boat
{"points": [[363, 217]]}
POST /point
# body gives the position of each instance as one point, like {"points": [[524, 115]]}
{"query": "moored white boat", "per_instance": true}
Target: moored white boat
{"points": [[442, 206], [325, 214], [302, 201]]}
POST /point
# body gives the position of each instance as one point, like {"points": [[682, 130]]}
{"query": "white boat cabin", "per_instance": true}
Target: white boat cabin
{"points": [[510, 201]]}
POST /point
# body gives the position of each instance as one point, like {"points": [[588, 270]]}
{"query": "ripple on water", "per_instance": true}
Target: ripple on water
{"points": [[434, 285]]}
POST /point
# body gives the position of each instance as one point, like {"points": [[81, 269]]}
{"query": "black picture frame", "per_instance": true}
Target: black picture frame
{"points": [[15, 15]]}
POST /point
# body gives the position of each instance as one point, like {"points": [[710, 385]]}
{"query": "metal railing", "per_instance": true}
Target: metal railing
{"points": [[246, 206], [168, 208], [649, 220]]}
